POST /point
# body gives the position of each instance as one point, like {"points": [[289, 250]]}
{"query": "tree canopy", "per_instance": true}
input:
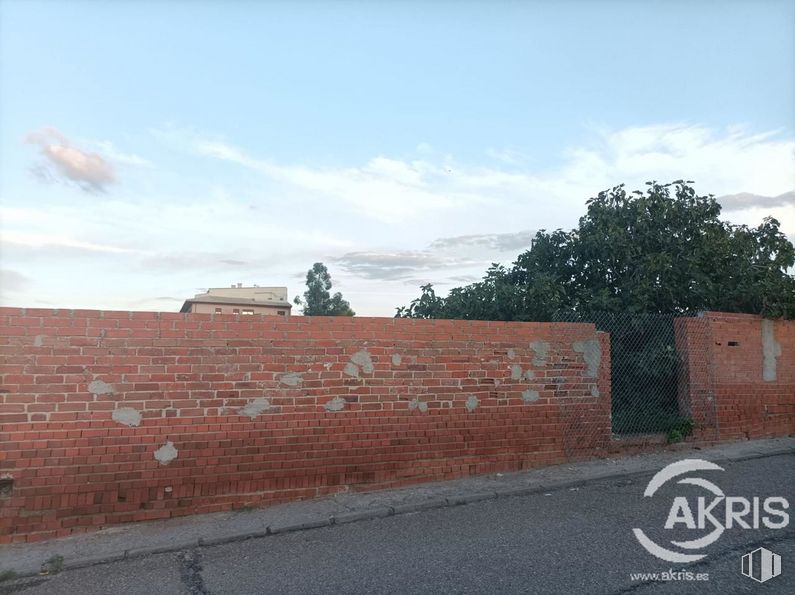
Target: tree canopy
{"points": [[664, 250], [318, 300]]}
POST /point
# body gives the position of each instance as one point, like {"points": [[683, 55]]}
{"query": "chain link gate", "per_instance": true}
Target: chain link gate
{"points": [[658, 372]]}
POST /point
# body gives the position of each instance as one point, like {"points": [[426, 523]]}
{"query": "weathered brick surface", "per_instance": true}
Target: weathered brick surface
{"points": [[748, 404], [696, 389], [260, 409], [725, 356]]}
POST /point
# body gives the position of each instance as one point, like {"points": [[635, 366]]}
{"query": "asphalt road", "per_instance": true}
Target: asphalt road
{"points": [[570, 541]]}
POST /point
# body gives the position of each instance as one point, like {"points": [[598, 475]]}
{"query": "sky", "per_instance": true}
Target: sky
{"points": [[150, 150]]}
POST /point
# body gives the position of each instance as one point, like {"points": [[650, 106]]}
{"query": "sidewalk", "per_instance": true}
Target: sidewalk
{"points": [[140, 539]]}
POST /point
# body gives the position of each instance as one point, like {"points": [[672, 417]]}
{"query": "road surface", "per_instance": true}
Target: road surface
{"points": [[576, 540]]}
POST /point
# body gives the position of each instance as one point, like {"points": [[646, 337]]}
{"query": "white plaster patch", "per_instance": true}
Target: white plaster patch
{"points": [[592, 354], [166, 453], [100, 387], [255, 407], [335, 404], [127, 416], [351, 370], [422, 406], [363, 360], [291, 379], [541, 350], [771, 351]]}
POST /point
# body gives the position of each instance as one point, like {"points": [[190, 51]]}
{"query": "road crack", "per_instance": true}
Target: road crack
{"points": [[191, 573]]}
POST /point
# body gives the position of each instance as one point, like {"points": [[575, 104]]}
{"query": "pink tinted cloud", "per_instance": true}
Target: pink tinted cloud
{"points": [[87, 169]]}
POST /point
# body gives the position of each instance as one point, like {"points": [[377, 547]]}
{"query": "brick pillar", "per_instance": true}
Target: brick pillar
{"points": [[695, 392]]}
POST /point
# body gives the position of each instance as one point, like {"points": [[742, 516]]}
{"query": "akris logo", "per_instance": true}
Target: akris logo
{"points": [[704, 515]]}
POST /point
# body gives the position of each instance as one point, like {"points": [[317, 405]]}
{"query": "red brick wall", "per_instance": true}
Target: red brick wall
{"points": [[725, 385], [696, 391], [331, 421]]}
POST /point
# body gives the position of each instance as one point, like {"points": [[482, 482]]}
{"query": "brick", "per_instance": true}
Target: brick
{"points": [[191, 377]]}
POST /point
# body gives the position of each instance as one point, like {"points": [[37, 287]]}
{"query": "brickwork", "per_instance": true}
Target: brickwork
{"points": [[696, 391], [749, 405], [111, 417], [738, 376]]}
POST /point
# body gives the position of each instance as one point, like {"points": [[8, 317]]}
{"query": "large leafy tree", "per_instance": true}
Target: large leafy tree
{"points": [[664, 250], [318, 300]]}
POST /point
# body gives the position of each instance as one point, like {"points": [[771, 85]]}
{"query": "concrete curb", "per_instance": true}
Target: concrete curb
{"points": [[362, 515], [162, 549], [469, 498], [92, 561], [377, 512], [419, 506], [301, 526], [210, 541]]}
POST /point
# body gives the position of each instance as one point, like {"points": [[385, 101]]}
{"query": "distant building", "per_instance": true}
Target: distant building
{"points": [[237, 299]]}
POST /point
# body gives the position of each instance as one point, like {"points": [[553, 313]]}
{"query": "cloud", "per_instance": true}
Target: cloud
{"points": [[499, 242], [746, 200], [395, 191], [60, 243], [441, 255], [398, 264], [117, 156], [43, 174], [196, 260], [720, 161], [148, 301], [88, 170], [465, 279], [386, 189], [12, 281], [381, 222], [508, 156], [417, 282], [234, 262], [163, 233]]}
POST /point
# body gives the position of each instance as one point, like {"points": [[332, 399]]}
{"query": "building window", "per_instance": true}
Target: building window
{"points": [[281, 313], [235, 311], [248, 312], [218, 310]]}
